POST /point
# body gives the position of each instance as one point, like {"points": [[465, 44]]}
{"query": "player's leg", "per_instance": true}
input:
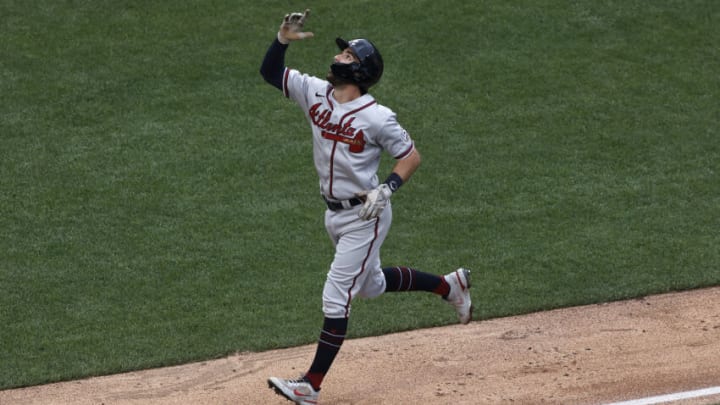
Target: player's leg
{"points": [[400, 278], [453, 287], [331, 339], [354, 242], [306, 389], [347, 279]]}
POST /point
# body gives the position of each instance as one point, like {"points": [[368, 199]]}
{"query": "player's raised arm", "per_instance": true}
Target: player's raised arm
{"points": [[273, 64]]}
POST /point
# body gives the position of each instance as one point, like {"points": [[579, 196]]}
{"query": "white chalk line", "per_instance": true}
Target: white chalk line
{"points": [[671, 397]]}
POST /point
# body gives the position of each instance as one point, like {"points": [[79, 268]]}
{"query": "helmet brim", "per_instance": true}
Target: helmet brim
{"points": [[342, 44]]}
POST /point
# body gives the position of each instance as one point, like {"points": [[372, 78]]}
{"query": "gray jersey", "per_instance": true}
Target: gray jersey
{"points": [[348, 138]]}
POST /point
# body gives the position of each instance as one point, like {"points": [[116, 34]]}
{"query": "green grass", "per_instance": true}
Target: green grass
{"points": [[158, 202]]}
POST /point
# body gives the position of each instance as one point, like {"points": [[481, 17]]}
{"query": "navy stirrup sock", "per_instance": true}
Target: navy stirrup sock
{"points": [[408, 279], [331, 338]]}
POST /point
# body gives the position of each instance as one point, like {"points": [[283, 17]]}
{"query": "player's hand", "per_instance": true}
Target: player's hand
{"points": [[375, 201], [291, 27]]}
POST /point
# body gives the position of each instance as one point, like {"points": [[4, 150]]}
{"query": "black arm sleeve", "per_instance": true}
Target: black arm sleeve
{"points": [[273, 66]]}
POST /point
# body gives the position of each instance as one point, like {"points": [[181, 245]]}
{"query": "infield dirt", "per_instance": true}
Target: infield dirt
{"points": [[595, 354]]}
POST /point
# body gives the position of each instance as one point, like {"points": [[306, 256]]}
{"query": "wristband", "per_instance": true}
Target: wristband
{"points": [[394, 181]]}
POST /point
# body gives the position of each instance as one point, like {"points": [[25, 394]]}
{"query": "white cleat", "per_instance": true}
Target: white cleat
{"points": [[299, 391], [459, 295]]}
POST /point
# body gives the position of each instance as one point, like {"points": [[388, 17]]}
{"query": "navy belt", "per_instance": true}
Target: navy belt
{"points": [[342, 205]]}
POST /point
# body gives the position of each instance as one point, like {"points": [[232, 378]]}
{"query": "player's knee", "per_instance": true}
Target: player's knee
{"points": [[335, 299], [374, 285], [372, 291], [335, 309]]}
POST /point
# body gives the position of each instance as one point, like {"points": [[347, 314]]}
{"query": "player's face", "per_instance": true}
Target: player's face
{"points": [[346, 56]]}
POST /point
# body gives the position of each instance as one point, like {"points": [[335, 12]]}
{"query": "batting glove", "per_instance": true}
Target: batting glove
{"points": [[291, 28], [375, 201]]}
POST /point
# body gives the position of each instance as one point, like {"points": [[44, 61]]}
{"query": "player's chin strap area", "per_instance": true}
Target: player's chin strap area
{"points": [[336, 205]]}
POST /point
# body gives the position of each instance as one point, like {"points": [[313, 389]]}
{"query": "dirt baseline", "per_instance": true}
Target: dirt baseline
{"points": [[595, 354]]}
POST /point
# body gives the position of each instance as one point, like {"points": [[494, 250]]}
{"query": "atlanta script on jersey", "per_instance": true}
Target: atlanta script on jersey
{"points": [[348, 139]]}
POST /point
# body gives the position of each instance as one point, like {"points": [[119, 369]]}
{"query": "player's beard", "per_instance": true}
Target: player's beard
{"points": [[332, 79], [336, 81]]}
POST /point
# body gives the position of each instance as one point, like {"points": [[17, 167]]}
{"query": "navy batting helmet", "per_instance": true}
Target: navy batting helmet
{"points": [[365, 73]]}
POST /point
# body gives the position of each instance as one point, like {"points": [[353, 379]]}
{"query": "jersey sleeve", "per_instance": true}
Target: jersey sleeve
{"points": [[300, 87], [395, 139]]}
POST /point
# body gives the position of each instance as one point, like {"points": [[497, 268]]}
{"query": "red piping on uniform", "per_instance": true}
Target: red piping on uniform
{"points": [[356, 110], [332, 165], [286, 75], [332, 156], [362, 269], [407, 152], [327, 97]]}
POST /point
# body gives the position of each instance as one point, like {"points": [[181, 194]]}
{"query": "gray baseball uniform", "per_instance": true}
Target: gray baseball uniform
{"points": [[348, 140]]}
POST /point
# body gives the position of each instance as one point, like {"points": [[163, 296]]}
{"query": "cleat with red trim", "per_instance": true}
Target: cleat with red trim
{"points": [[459, 296], [299, 391]]}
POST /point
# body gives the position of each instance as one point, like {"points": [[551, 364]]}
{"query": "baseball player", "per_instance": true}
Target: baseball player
{"points": [[350, 131]]}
